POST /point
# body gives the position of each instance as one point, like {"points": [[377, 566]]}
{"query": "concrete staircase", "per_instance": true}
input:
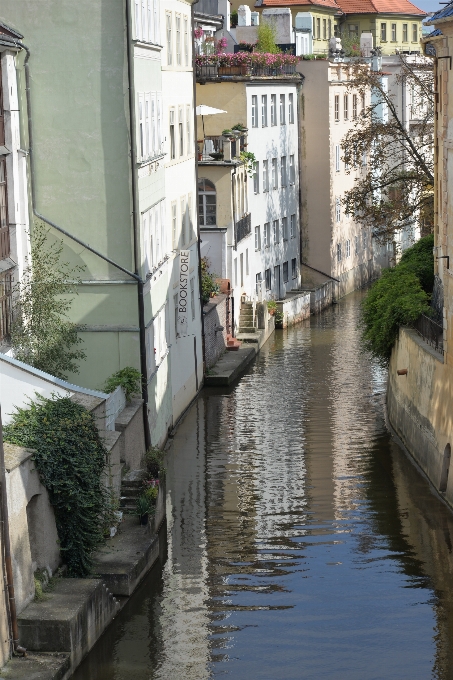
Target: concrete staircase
{"points": [[232, 344], [246, 321], [131, 489]]}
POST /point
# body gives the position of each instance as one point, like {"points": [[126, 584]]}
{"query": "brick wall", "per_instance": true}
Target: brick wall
{"points": [[215, 315]]}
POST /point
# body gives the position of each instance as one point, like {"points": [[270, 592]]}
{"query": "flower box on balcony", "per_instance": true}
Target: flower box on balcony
{"points": [[233, 70]]}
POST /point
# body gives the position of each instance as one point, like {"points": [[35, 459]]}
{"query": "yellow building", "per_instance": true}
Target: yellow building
{"points": [[396, 25]]}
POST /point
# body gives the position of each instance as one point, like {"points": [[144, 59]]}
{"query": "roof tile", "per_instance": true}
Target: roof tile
{"points": [[380, 7]]}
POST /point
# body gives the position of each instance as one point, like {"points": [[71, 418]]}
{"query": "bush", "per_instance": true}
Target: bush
{"points": [[397, 299], [129, 379], [208, 281], [267, 36], [154, 459], [70, 458]]}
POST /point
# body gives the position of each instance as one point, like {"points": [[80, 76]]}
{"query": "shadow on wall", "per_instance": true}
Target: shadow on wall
{"points": [[215, 328]]}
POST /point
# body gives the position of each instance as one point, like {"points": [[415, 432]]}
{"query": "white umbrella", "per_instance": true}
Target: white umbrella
{"points": [[204, 110]]}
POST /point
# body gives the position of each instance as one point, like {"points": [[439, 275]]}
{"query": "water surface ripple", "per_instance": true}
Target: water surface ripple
{"points": [[303, 544]]}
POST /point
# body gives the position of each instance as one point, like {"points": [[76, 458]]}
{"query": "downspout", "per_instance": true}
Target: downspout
{"points": [[7, 549], [134, 275], [195, 202]]}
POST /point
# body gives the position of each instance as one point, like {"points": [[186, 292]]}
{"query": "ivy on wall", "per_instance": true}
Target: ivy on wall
{"points": [[70, 458]]}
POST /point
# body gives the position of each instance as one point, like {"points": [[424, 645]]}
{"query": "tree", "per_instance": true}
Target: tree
{"points": [[41, 334], [393, 157], [267, 36]]}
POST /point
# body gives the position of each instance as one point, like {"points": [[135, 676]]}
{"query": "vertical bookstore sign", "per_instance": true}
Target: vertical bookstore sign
{"points": [[183, 294]]}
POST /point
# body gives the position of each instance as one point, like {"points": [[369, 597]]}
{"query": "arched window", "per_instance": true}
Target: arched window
{"points": [[206, 203]]}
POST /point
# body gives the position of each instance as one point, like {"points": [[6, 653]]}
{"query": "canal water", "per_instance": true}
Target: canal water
{"points": [[302, 542]]}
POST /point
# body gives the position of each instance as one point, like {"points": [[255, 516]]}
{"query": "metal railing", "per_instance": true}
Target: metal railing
{"points": [[243, 227], [212, 70], [212, 146], [431, 332]]}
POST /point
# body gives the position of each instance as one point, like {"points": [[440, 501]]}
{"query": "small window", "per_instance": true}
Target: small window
{"points": [[169, 39], [363, 104], [354, 106], [206, 202], [293, 226], [285, 228], [282, 110], [291, 107], [337, 158], [329, 33], [337, 209], [275, 231], [178, 39], [254, 110], [285, 272], [294, 268], [348, 248], [414, 33], [186, 42], [338, 252], [172, 135], [181, 131], [318, 28], [258, 280], [274, 174], [393, 32], [265, 176], [174, 226], [188, 130], [283, 171], [264, 110], [353, 30], [405, 33], [267, 234], [324, 29], [383, 32], [256, 178], [273, 109], [257, 238], [346, 106], [292, 171], [337, 108], [268, 278]]}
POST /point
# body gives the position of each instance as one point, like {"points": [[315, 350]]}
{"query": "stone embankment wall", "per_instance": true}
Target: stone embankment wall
{"points": [[295, 308], [420, 407], [215, 316]]}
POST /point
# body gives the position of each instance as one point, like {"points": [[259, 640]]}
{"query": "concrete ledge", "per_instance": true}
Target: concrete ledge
{"points": [[71, 618], [230, 366], [37, 667]]}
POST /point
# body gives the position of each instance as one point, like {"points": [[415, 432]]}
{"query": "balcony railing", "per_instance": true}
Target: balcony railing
{"points": [[431, 331], [243, 227], [215, 71], [211, 148]]}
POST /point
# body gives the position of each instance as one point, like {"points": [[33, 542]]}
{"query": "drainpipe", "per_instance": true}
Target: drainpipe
{"points": [[134, 275], [195, 203], [7, 550]]}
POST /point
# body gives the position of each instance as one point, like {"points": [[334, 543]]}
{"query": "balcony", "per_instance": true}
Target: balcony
{"points": [[243, 227], [431, 332], [211, 148], [209, 71]]}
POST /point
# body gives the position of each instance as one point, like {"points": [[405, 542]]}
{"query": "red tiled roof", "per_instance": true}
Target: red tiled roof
{"points": [[301, 3], [379, 7]]}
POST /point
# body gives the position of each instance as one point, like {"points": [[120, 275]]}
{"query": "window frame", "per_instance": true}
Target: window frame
{"points": [[292, 226], [273, 110], [292, 170], [256, 178], [346, 107], [405, 33], [283, 172], [264, 110], [254, 110], [258, 238], [291, 116], [169, 36], [285, 272], [202, 205], [383, 31], [282, 109], [294, 268], [394, 32], [337, 108], [274, 166]]}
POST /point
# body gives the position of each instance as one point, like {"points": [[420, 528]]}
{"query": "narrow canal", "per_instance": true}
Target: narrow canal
{"points": [[303, 544]]}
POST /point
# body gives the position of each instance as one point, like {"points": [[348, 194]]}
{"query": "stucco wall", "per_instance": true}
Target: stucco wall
{"points": [[215, 341], [420, 404], [295, 308]]}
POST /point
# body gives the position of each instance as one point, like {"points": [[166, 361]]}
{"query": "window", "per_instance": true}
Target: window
{"points": [[404, 32], [363, 104], [285, 272], [318, 28], [282, 109], [192, 297], [291, 107], [254, 110], [346, 106], [292, 171], [178, 39], [338, 252], [283, 171], [188, 148], [273, 109], [174, 226], [186, 42], [141, 125], [384, 32], [337, 209], [169, 40], [354, 106], [256, 178], [274, 174], [294, 268], [285, 228], [257, 238], [314, 29], [329, 34], [158, 334], [293, 226], [206, 202], [192, 233], [258, 280], [268, 278], [337, 158], [348, 248], [147, 20], [172, 134], [246, 261], [153, 235], [353, 30], [393, 32], [264, 110], [324, 29], [337, 108], [414, 33], [267, 234], [356, 248], [265, 176], [275, 231], [181, 132], [183, 222]]}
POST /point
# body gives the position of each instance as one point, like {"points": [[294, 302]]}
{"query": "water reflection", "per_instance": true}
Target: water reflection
{"points": [[302, 542]]}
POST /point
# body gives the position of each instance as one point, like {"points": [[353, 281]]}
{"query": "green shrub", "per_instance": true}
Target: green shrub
{"points": [[129, 379], [397, 299], [154, 459], [267, 36], [70, 458]]}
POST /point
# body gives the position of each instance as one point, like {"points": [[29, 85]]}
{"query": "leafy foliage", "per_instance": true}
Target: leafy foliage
{"points": [[392, 161], [154, 461], [249, 159], [70, 458], [41, 334], [208, 281], [267, 36], [397, 299], [129, 379]]}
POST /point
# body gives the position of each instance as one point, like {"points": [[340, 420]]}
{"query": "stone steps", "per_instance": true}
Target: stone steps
{"points": [[232, 344]]}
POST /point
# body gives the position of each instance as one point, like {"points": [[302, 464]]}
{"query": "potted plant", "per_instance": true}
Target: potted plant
{"points": [[217, 156], [240, 127], [143, 508], [228, 133], [272, 307]]}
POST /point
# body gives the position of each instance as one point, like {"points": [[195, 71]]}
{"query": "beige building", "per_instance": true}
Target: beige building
{"points": [[332, 242]]}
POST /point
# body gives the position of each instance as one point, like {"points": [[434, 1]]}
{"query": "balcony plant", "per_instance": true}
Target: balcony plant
{"points": [[239, 127], [271, 307], [249, 159]]}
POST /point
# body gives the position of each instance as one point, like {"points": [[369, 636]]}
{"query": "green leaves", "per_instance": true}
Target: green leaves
{"points": [[397, 299], [70, 458], [129, 379]]}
